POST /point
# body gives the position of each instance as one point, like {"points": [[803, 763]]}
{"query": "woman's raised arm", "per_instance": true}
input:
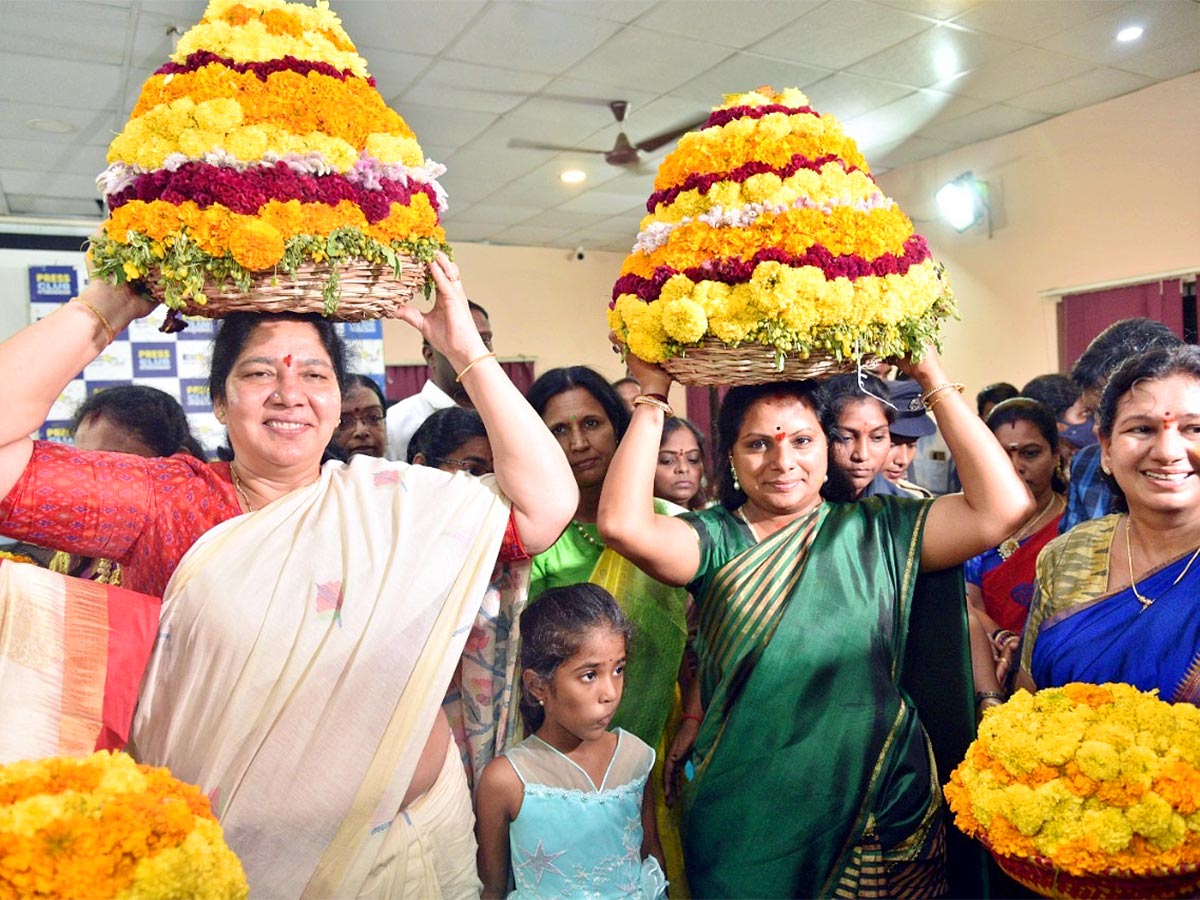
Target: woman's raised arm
{"points": [[39, 361], [663, 547], [530, 466], [994, 501]]}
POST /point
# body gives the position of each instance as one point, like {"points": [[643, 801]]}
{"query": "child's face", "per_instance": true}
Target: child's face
{"points": [[586, 689]]}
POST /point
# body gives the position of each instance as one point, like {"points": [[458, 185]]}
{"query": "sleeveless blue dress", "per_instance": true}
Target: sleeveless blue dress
{"points": [[574, 839]]}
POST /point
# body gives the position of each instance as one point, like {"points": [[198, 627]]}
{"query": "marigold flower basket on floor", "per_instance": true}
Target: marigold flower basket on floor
{"points": [[1086, 791], [261, 170], [769, 253]]}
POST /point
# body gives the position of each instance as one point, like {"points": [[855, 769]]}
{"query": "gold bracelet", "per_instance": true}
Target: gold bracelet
{"points": [[932, 392], [112, 335], [468, 366], [647, 400]]}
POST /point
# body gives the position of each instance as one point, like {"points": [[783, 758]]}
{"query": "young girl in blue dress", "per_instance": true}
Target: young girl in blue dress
{"points": [[567, 812]]}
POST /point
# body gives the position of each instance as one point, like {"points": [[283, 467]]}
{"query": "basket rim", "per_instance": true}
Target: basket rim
{"points": [[1047, 864]]}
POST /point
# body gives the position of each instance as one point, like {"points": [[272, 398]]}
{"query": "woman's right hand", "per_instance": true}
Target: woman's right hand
{"points": [[677, 756]]}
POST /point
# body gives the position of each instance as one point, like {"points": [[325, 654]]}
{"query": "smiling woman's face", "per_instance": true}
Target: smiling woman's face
{"points": [[579, 423]]}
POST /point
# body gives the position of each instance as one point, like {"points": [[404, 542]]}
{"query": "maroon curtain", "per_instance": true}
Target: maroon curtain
{"points": [[1083, 316], [404, 381], [702, 403]]}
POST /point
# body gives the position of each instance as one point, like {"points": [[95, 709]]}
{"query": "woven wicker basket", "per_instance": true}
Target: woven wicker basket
{"points": [[714, 363], [1039, 875], [367, 291]]}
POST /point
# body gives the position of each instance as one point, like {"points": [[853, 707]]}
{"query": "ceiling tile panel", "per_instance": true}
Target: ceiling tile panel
{"points": [[724, 21], [602, 202], [846, 96], [934, 55], [527, 235], [488, 213], [907, 116], [988, 122], [906, 151], [842, 32], [470, 233], [55, 184], [640, 59], [745, 71], [445, 125], [1168, 61], [89, 125], [1039, 20], [152, 44], [424, 27], [39, 205], [623, 11], [33, 27], [1164, 21], [462, 85], [395, 73], [940, 10], [561, 36], [464, 190], [1082, 90], [42, 80], [1017, 73]]}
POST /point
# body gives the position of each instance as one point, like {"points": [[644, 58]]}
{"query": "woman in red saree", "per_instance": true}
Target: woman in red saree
{"points": [[1000, 580]]}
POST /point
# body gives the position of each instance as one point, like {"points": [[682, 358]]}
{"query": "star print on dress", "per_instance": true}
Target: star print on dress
{"points": [[329, 600], [539, 861]]}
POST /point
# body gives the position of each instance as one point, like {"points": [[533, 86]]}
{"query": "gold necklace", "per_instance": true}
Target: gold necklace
{"points": [[1147, 602], [237, 485], [586, 535], [1010, 546], [741, 514]]}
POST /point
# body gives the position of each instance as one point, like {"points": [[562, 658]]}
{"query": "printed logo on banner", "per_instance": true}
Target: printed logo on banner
{"points": [[365, 358], [68, 402], [208, 431], [56, 430], [169, 386], [371, 328], [193, 394], [146, 329], [114, 364], [193, 360], [52, 284], [197, 330], [154, 360], [92, 388]]}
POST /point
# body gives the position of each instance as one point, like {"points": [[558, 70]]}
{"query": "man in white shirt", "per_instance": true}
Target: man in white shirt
{"points": [[441, 391]]}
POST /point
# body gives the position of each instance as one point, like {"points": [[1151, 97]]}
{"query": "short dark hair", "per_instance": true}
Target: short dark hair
{"points": [[995, 393], [558, 381], [357, 379], [444, 432], [236, 329], [1115, 344], [733, 412], [853, 387], [154, 416], [554, 627], [1055, 392], [1037, 414]]}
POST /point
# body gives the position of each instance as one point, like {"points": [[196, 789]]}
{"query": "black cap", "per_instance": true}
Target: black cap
{"points": [[911, 418]]}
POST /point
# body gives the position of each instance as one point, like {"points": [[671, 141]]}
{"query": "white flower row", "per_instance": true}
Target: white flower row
{"points": [[656, 234]]}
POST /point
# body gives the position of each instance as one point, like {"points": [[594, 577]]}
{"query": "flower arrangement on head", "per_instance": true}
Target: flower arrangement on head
{"points": [[766, 228], [262, 145], [103, 826], [1085, 780]]}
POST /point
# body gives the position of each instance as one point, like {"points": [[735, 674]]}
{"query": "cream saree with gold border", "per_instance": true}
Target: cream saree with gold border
{"points": [[302, 657]]}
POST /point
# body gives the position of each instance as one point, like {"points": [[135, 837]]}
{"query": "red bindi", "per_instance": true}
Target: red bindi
{"points": [[1168, 417], [287, 360], [780, 437]]}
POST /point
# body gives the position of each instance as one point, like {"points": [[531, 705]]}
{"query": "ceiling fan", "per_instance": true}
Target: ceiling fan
{"points": [[624, 152]]}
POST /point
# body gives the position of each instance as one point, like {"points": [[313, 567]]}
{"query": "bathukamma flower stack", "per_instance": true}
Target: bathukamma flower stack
{"points": [[103, 826], [767, 236], [261, 156], [1087, 790]]}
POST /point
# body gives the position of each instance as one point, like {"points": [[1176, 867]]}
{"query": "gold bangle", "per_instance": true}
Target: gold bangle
{"points": [[647, 400], [108, 329], [468, 366], [933, 392]]}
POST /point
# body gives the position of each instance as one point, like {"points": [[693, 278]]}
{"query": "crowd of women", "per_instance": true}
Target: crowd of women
{"points": [[730, 695]]}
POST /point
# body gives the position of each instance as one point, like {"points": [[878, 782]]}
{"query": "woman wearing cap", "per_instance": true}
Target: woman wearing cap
{"points": [[910, 425]]}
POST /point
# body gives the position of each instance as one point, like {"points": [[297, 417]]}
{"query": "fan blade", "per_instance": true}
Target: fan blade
{"points": [[522, 144], [651, 144]]}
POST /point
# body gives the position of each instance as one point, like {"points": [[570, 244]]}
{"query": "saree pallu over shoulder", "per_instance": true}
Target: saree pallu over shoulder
{"points": [[303, 654], [1084, 632], [818, 748]]}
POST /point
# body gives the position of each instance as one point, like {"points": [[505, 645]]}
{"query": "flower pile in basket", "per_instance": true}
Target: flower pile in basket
{"points": [[1091, 779], [102, 826], [766, 228], [262, 146]]}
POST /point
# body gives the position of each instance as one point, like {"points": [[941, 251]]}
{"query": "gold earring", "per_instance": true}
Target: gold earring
{"points": [[1105, 469], [737, 486]]}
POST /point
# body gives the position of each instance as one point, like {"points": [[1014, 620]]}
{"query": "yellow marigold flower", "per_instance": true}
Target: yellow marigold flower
{"points": [[218, 114], [646, 347], [1098, 760], [676, 287], [684, 320]]}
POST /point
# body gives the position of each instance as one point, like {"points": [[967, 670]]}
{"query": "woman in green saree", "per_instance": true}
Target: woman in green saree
{"points": [[813, 773]]}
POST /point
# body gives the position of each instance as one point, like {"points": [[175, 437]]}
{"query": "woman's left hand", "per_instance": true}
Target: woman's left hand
{"points": [[447, 325]]}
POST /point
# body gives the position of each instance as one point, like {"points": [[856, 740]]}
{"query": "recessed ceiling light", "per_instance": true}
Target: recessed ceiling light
{"points": [[53, 126], [1130, 33], [572, 176]]}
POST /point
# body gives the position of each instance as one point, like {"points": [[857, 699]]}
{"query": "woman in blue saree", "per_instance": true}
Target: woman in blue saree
{"points": [[1115, 598], [813, 773]]}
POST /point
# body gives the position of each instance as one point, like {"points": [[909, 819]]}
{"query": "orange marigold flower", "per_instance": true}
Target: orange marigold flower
{"points": [[1091, 694], [1179, 784], [256, 244], [280, 21]]}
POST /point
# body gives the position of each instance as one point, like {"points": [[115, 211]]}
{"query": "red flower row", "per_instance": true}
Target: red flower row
{"points": [[730, 113], [245, 192], [703, 181], [202, 58], [732, 270]]}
